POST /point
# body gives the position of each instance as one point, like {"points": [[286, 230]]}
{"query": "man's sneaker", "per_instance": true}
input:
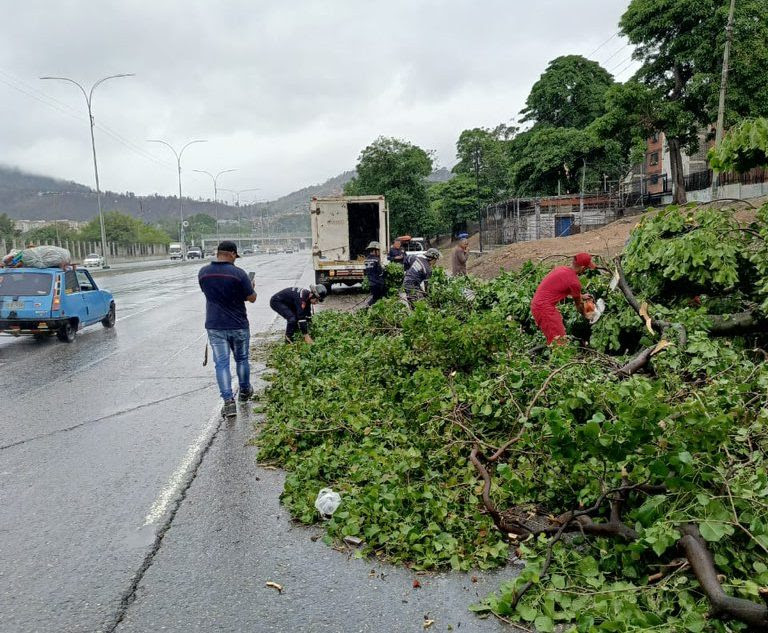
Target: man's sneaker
{"points": [[245, 394], [229, 410]]}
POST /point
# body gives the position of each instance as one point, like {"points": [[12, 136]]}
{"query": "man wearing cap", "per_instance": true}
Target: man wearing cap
{"points": [[560, 283], [295, 306], [226, 288], [375, 273], [460, 256], [396, 253]]}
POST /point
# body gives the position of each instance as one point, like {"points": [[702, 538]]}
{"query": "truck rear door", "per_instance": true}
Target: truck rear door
{"points": [[25, 294], [330, 230]]}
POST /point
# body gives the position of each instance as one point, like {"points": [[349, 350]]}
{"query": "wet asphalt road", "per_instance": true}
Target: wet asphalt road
{"points": [[127, 505]]}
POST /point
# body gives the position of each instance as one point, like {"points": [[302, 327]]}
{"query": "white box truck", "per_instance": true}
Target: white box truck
{"points": [[175, 250], [342, 227]]}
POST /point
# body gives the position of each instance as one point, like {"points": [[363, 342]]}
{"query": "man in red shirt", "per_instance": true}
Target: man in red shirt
{"points": [[561, 282]]}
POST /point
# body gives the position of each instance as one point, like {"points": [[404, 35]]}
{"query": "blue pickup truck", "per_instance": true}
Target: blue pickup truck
{"points": [[45, 301]]}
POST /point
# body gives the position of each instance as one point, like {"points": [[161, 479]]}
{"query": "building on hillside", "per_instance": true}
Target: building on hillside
{"points": [[650, 182], [29, 225]]}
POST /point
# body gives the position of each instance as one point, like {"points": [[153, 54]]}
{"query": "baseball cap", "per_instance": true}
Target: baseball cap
{"points": [[228, 246], [584, 259]]}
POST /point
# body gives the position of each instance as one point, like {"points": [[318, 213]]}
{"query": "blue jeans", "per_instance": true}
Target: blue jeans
{"points": [[236, 341]]}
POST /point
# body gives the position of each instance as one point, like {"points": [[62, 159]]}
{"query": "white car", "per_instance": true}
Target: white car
{"points": [[415, 246], [94, 260]]}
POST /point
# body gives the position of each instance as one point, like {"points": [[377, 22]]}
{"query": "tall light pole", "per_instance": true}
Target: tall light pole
{"points": [[237, 193], [178, 156], [89, 101], [215, 192]]}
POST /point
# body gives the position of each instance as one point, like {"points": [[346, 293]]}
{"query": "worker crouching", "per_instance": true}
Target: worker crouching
{"points": [[561, 282], [295, 306], [419, 270]]}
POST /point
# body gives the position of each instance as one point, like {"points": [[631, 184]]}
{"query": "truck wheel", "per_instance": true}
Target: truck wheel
{"points": [[109, 320], [66, 333], [328, 287]]}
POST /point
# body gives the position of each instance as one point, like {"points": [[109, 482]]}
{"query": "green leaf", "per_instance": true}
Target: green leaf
{"points": [[527, 613], [544, 624]]}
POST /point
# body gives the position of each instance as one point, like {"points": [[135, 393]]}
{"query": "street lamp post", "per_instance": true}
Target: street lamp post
{"points": [[237, 193], [178, 156], [89, 100], [215, 192]]}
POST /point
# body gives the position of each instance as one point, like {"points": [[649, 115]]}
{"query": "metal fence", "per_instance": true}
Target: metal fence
{"points": [[526, 219]]}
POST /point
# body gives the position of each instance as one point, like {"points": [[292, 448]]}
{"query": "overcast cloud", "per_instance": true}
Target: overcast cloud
{"points": [[286, 91]]}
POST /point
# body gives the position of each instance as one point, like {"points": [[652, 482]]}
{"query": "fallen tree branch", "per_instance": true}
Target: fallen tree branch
{"points": [[723, 605], [495, 515], [636, 364], [735, 324], [629, 295]]}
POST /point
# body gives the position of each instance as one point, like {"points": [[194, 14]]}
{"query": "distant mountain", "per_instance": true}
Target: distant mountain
{"points": [[25, 196], [299, 200], [440, 175]]}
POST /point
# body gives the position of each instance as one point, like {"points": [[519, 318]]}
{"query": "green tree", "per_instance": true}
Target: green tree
{"points": [[396, 169], [123, 229], [570, 93], [455, 202], [7, 228], [546, 160], [680, 44], [199, 224], [744, 147], [55, 232], [483, 154]]}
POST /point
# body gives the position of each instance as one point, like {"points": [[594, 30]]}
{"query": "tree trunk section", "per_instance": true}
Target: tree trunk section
{"points": [[676, 165]]}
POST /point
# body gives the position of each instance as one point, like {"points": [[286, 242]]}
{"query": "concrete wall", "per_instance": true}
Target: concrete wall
{"points": [[736, 190]]}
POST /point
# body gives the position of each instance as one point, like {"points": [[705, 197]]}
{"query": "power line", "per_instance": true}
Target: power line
{"points": [[603, 44], [21, 86]]}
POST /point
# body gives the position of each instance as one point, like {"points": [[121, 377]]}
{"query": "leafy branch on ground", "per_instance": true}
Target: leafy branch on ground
{"points": [[637, 500]]}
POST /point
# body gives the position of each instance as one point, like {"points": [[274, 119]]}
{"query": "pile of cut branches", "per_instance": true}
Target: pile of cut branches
{"points": [[627, 470]]}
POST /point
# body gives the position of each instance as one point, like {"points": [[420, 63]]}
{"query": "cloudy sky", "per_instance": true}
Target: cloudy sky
{"points": [[286, 91]]}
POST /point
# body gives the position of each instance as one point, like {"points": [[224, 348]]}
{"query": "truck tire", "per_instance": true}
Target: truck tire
{"points": [[109, 320], [66, 333]]}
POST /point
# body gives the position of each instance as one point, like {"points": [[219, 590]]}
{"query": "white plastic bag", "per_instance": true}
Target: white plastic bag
{"points": [[327, 501]]}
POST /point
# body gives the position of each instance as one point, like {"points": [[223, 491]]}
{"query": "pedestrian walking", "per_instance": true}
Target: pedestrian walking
{"points": [[375, 273], [226, 288], [416, 278], [295, 306], [460, 257], [396, 253], [561, 282]]}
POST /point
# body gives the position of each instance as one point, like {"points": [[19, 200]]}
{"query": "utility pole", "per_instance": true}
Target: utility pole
{"points": [[237, 193], [723, 85], [181, 199], [583, 176], [476, 158], [89, 101], [215, 193]]}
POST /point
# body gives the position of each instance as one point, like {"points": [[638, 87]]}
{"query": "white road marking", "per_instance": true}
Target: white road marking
{"points": [[179, 476]]}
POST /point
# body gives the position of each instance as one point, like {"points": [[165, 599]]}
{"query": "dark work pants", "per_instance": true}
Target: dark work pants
{"points": [[288, 314], [377, 292]]}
